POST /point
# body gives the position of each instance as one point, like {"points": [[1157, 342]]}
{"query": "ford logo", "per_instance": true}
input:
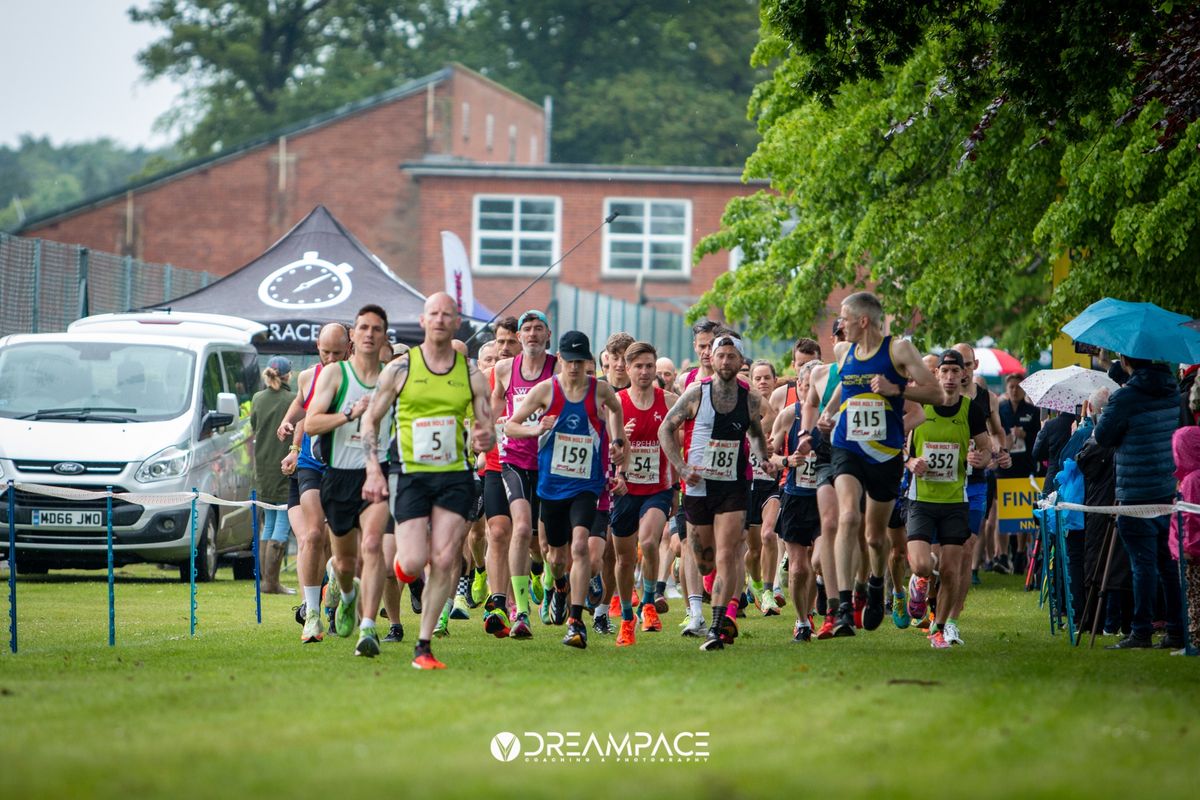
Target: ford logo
{"points": [[69, 468]]}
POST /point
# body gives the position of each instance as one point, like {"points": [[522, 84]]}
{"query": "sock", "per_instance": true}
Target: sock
{"points": [[708, 581], [462, 586], [804, 623], [933, 628], [576, 612], [757, 586], [845, 598], [660, 588], [874, 582], [732, 609], [696, 606], [520, 584], [422, 647], [717, 618], [626, 610], [494, 602], [647, 591], [560, 583], [860, 587], [537, 567], [366, 623], [547, 581], [349, 597], [952, 621], [769, 587], [312, 596]]}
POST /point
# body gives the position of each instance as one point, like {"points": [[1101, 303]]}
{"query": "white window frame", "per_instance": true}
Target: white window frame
{"points": [[609, 272], [477, 235]]}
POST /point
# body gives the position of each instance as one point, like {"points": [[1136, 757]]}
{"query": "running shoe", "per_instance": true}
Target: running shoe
{"points": [[826, 631], [650, 620], [601, 625], [558, 606], [729, 629], [673, 593], [415, 590], [368, 642], [495, 622], [938, 641], [802, 633], [780, 599], [713, 641], [687, 619], [459, 609], [427, 661], [756, 595], [627, 635], [695, 627], [301, 612], [900, 617], [769, 607], [951, 635], [844, 624], [479, 588], [520, 628], [331, 592], [596, 593], [975, 580], [614, 605], [313, 627], [872, 616], [860, 603], [395, 633], [576, 634], [660, 604], [918, 596], [347, 617], [442, 629], [536, 589], [544, 608], [926, 621]]}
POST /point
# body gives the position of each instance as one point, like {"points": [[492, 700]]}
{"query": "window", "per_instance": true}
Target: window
{"points": [[515, 233], [212, 381], [652, 236]]}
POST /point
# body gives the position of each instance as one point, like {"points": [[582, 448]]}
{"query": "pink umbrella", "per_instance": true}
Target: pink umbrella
{"points": [[993, 363]]}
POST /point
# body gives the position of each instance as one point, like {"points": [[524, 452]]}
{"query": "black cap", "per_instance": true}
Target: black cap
{"points": [[839, 326], [574, 346], [952, 357]]}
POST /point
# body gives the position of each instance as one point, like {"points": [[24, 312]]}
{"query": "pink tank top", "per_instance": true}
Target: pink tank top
{"points": [[522, 453]]}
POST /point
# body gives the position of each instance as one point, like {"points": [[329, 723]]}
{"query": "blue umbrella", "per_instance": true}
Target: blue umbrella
{"points": [[1138, 330]]}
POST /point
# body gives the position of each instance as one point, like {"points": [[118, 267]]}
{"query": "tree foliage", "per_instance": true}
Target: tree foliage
{"points": [[953, 202]]}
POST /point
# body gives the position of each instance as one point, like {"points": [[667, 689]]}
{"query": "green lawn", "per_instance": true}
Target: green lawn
{"points": [[243, 710]]}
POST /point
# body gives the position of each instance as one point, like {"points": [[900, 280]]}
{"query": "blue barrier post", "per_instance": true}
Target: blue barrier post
{"points": [[12, 568], [112, 610], [192, 571], [1064, 571], [255, 547]]}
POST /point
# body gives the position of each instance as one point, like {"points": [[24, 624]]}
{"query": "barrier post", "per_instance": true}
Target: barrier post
{"points": [[192, 571], [12, 568], [1064, 569], [112, 610], [257, 562]]}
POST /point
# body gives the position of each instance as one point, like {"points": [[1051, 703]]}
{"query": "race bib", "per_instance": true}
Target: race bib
{"points": [[942, 458], [866, 420], [805, 475], [759, 474], [720, 460], [434, 441], [642, 467], [572, 456], [1018, 446]]}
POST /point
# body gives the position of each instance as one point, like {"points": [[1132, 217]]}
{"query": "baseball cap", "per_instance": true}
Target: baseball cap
{"points": [[729, 341], [281, 365], [574, 346], [532, 314], [952, 357], [839, 325]]}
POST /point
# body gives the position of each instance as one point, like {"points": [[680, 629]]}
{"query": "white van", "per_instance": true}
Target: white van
{"points": [[149, 402]]}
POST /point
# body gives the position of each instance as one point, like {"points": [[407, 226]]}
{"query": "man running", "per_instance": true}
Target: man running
{"points": [[335, 416], [665, 368], [877, 372], [435, 491], [762, 543], [571, 475], [643, 492], [953, 436], [514, 378], [717, 472]]}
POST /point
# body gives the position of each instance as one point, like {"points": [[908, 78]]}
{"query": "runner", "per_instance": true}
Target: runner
{"points": [[304, 492], [875, 371], [514, 378], [717, 472], [335, 416], [605, 602], [667, 373], [941, 451], [643, 491], [762, 543], [435, 490], [571, 474], [803, 351]]}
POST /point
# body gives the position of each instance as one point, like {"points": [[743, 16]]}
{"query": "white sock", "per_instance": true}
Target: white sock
{"points": [[366, 623], [349, 597], [696, 606], [312, 596]]}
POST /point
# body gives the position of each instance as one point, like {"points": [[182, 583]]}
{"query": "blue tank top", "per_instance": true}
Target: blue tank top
{"points": [[870, 424], [801, 480], [305, 459], [569, 454]]}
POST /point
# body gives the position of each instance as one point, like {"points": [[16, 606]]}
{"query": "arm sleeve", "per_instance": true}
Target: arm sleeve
{"points": [[1110, 428]]}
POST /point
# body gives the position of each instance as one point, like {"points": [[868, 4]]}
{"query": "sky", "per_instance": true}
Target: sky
{"points": [[68, 71]]}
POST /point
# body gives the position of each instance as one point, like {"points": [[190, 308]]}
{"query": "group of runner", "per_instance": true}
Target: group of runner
{"points": [[528, 483]]}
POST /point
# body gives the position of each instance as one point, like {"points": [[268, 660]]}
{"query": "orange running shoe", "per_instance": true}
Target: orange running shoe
{"points": [[650, 620], [627, 635], [826, 631], [427, 661], [614, 606]]}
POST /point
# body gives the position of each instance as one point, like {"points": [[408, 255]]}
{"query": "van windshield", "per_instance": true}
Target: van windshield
{"points": [[116, 382]]}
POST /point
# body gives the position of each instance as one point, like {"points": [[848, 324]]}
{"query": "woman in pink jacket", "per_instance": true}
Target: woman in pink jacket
{"points": [[1186, 446]]}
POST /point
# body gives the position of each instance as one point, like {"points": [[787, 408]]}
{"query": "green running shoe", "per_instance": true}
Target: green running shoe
{"points": [[544, 610], [479, 587], [332, 592], [459, 610], [368, 642], [536, 589], [347, 618], [900, 617], [443, 627]]}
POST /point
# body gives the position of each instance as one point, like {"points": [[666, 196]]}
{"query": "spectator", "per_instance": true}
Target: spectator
{"points": [[1187, 382], [1186, 448], [1021, 422], [1138, 422], [1077, 538], [268, 408], [1048, 445]]}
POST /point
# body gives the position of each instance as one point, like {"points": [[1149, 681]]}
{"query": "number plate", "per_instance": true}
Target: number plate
{"points": [[720, 460], [643, 464], [758, 473], [806, 474], [867, 421], [942, 458], [572, 456], [434, 441], [56, 518]]}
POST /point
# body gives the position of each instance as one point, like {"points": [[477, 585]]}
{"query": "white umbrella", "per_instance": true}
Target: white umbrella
{"points": [[1064, 389]]}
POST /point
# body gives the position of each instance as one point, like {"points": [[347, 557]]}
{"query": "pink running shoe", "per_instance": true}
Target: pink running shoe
{"points": [[918, 596]]}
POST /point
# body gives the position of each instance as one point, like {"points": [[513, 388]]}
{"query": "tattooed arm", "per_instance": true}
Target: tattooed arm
{"points": [[387, 388], [685, 408]]}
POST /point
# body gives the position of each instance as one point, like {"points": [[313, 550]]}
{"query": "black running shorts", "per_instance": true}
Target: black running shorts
{"points": [[495, 500], [799, 519], [341, 498], [561, 517], [880, 480], [947, 524], [521, 484], [417, 493], [722, 497]]}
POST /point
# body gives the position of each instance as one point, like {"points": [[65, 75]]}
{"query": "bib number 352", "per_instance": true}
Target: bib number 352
{"points": [[434, 442], [572, 456]]}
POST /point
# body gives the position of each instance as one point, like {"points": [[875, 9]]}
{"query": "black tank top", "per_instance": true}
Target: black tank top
{"points": [[983, 401]]}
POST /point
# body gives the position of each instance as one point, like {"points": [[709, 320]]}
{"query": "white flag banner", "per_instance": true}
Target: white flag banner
{"points": [[457, 268]]}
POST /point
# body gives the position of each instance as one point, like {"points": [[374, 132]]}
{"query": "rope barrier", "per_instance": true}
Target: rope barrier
{"points": [[144, 498]]}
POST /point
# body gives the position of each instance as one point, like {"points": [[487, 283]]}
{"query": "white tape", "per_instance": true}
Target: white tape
{"points": [[1145, 512], [143, 499]]}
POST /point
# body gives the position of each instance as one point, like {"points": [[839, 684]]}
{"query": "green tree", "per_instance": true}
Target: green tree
{"points": [[953, 200]]}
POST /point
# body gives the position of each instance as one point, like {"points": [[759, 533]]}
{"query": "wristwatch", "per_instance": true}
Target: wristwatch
{"points": [[349, 412], [620, 442]]}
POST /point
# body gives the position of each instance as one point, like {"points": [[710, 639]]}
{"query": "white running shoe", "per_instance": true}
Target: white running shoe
{"points": [[696, 627], [950, 634]]}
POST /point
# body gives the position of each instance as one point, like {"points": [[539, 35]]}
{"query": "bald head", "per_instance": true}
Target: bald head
{"points": [[333, 343], [441, 301], [931, 363], [665, 368], [968, 354], [440, 319]]}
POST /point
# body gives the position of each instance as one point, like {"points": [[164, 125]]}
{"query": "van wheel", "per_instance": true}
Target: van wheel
{"points": [[206, 553]]}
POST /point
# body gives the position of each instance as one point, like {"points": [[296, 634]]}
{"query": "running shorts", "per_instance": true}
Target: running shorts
{"points": [[880, 481], [560, 518]]}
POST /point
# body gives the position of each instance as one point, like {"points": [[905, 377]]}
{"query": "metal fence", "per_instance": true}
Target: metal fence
{"points": [[45, 286], [599, 316]]}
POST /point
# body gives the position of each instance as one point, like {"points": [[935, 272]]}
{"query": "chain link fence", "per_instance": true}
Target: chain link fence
{"points": [[45, 286]]}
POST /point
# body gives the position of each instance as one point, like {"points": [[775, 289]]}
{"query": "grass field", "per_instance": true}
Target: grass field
{"points": [[243, 710]]}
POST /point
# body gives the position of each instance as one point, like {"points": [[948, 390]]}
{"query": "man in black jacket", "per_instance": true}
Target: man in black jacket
{"points": [[1138, 423], [1049, 444]]}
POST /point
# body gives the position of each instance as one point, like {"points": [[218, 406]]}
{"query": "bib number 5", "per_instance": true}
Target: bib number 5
{"points": [[434, 442]]}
